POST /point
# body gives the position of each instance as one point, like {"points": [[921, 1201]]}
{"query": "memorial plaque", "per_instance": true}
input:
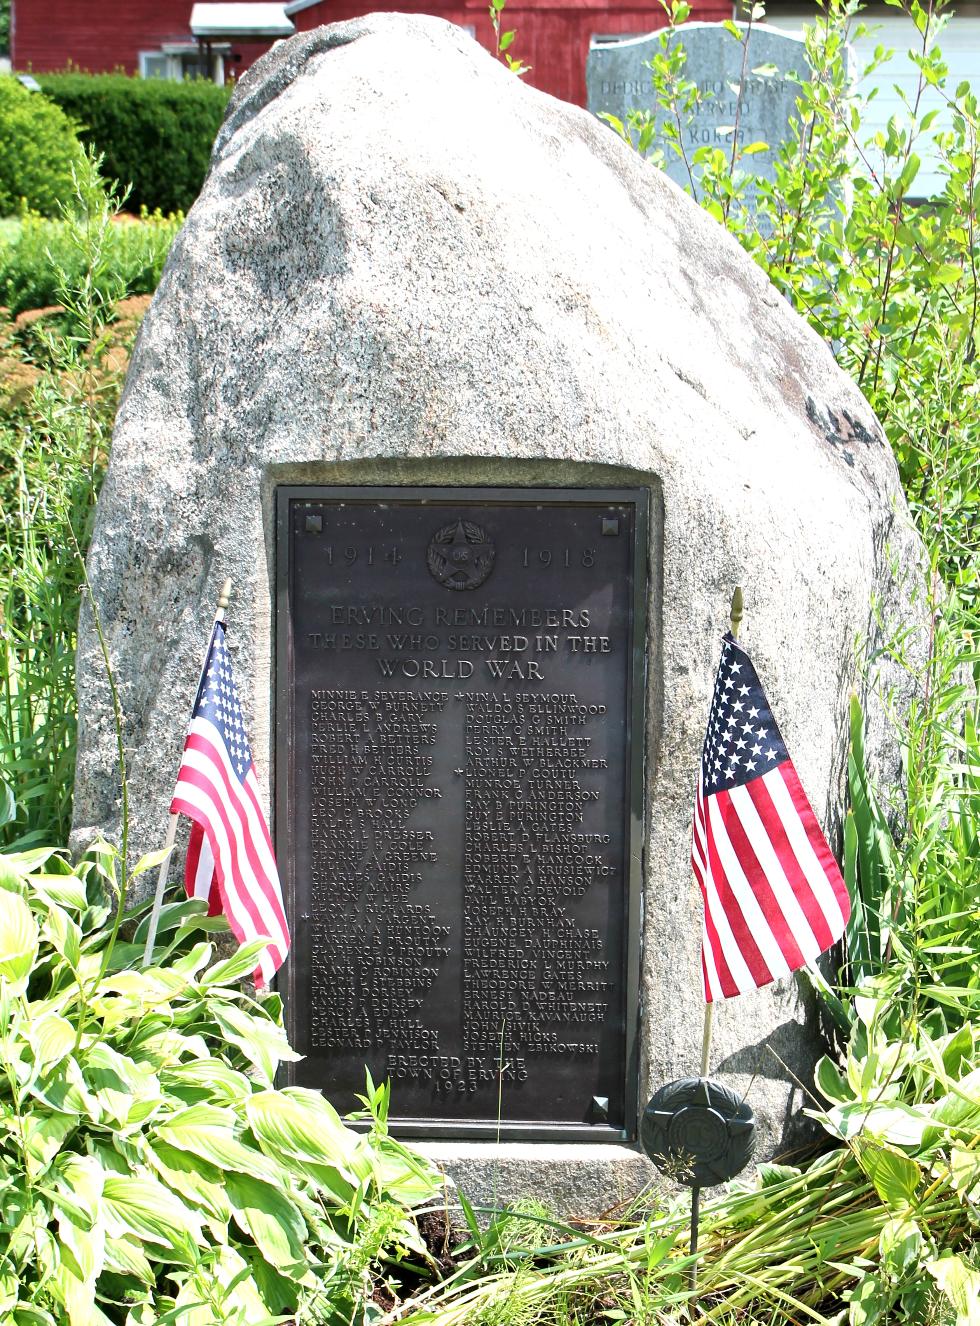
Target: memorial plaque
{"points": [[459, 749]]}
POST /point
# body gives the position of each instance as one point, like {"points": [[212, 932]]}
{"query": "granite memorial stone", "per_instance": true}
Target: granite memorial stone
{"points": [[456, 382]]}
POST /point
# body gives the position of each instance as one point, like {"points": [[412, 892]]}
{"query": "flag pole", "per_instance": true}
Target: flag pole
{"points": [[735, 619], [168, 846]]}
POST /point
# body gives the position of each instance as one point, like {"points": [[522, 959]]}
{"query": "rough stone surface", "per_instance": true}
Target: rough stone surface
{"points": [[618, 81], [407, 267], [570, 1180]]}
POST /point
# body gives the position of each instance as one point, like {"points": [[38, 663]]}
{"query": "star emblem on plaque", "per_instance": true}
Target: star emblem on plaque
{"points": [[460, 556]]}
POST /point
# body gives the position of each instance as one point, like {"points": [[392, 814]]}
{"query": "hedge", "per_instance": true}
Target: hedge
{"points": [[155, 136], [43, 254], [38, 148]]}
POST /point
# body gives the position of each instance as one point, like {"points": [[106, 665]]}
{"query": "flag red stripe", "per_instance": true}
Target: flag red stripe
{"points": [[271, 956], [238, 882], [706, 944], [197, 778], [697, 841], [733, 913], [208, 819], [274, 894], [236, 792], [818, 842], [722, 970], [193, 869], [758, 883], [783, 848], [193, 859], [719, 962]]}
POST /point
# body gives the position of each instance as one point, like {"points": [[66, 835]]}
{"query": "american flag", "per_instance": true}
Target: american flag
{"points": [[230, 860], [773, 894]]}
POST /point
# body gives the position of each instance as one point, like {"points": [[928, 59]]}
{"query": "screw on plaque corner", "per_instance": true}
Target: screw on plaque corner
{"points": [[599, 1109]]}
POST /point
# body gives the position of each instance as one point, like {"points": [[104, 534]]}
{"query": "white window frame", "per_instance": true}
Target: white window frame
{"points": [[174, 57]]}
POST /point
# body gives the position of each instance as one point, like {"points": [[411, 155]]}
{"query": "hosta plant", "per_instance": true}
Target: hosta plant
{"points": [[150, 1172]]}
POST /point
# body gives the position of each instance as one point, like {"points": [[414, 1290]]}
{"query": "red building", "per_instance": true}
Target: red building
{"points": [[155, 37]]}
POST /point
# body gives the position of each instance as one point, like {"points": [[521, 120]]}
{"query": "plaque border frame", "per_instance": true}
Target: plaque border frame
{"points": [[462, 1130]]}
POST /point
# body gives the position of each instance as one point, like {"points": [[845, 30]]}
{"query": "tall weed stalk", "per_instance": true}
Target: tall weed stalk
{"points": [[54, 455]]}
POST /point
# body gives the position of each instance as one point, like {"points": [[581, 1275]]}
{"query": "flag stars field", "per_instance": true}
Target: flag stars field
{"points": [[773, 894], [230, 860]]}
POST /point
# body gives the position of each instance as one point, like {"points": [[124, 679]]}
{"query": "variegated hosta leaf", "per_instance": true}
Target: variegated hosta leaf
{"points": [[240, 965], [298, 1122], [51, 1037], [146, 1210], [66, 891], [78, 1298], [149, 988], [82, 1250], [19, 937], [127, 1092], [207, 1079], [900, 1244], [960, 1283], [210, 1133], [405, 1177], [221, 1292], [141, 1315], [265, 1212], [964, 1167], [261, 1041], [124, 1255], [43, 1135], [63, 934], [62, 1088], [8, 1291], [192, 1178], [895, 1176]]}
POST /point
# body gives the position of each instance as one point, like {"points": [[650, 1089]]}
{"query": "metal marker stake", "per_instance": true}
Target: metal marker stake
{"points": [[695, 1212], [168, 846]]}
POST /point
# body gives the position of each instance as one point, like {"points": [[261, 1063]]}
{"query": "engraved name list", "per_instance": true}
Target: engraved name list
{"points": [[459, 719]]}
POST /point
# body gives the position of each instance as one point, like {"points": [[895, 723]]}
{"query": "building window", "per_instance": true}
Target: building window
{"points": [[180, 63]]}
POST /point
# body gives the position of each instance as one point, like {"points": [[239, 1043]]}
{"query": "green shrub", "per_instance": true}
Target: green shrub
{"points": [[154, 136], [38, 148], [43, 256]]}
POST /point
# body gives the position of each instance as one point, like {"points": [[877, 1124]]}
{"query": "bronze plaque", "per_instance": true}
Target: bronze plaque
{"points": [[458, 822]]}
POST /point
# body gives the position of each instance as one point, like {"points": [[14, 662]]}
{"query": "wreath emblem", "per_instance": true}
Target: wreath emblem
{"points": [[460, 556]]}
